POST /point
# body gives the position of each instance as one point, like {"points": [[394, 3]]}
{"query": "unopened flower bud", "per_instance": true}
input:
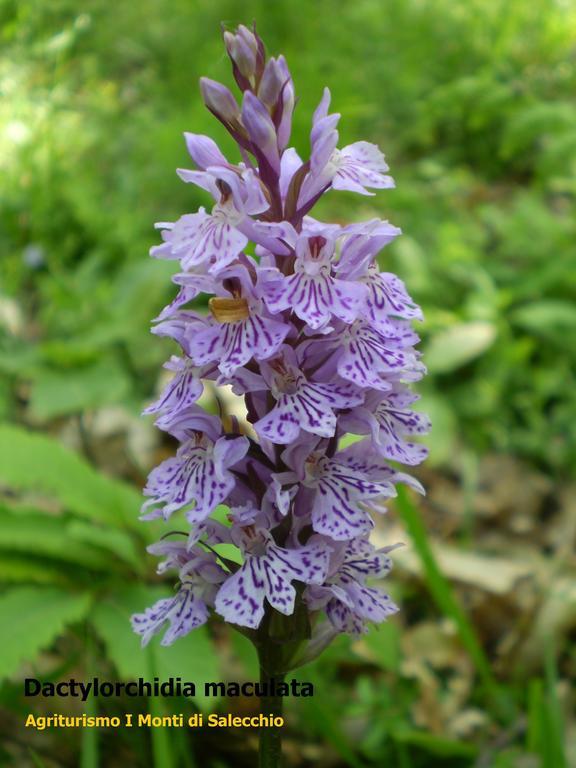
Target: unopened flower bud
{"points": [[261, 130], [242, 54], [220, 100]]}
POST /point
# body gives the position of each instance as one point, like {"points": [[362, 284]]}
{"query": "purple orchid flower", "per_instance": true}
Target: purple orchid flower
{"points": [[348, 602], [312, 291], [199, 576], [267, 574], [199, 473]]}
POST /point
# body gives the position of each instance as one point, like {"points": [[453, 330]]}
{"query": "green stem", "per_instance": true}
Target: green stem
{"points": [[271, 673]]}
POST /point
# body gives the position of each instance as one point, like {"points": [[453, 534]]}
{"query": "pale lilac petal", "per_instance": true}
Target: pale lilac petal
{"points": [[368, 355], [204, 151], [184, 612], [289, 164], [182, 391], [307, 564], [388, 296], [240, 599], [361, 165], [193, 475], [279, 426], [234, 344]]}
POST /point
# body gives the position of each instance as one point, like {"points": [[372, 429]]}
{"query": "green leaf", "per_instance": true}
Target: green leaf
{"points": [[547, 318], [192, 658], [31, 619], [31, 462], [436, 745], [48, 536], [110, 540], [68, 540], [458, 345], [20, 569], [323, 713], [56, 393]]}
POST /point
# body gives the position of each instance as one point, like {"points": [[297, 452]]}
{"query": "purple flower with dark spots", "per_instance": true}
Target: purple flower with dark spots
{"points": [[313, 292], [183, 390], [389, 420], [301, 404], [199, 473], [348, 602], [343, 485], [267, 574], [199, 576]]}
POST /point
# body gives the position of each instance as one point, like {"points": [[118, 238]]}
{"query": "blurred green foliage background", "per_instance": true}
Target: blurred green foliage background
{"points": [[473, 104]]}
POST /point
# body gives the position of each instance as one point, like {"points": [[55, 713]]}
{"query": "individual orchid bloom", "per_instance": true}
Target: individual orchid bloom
{"points": [[342, 484], [348, 602], [199, 239], [238, 330], [312, 291], [183, 612], [213, 239], [388, 419], [267, 575], [361, 243], [185, 557], [183, 390], [188, 609], [387, 297], [370, 357], [199, 473], [300, 403], [357, 167]]}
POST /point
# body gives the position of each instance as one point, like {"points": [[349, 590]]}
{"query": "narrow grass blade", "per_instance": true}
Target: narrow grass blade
{"points": [[441, 589]]}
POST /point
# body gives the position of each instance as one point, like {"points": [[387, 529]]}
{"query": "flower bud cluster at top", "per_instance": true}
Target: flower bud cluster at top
{"points": [[317, 341]]}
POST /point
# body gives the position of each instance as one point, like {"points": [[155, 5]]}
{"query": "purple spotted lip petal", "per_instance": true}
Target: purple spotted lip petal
{"points": [[316, 343], [266, 576]]}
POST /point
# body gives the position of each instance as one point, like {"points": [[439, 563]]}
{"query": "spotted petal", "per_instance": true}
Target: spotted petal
{"points": [[388, 296], [337, 509], [316, 298], [361, 165], [240, 599], [182, 390], [310, 408], [195, 474], [234, 344], [369, 354], [183, 612], [201, 238]]}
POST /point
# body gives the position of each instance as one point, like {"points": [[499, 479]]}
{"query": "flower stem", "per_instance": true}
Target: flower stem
{"points": [[271, 674]]}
